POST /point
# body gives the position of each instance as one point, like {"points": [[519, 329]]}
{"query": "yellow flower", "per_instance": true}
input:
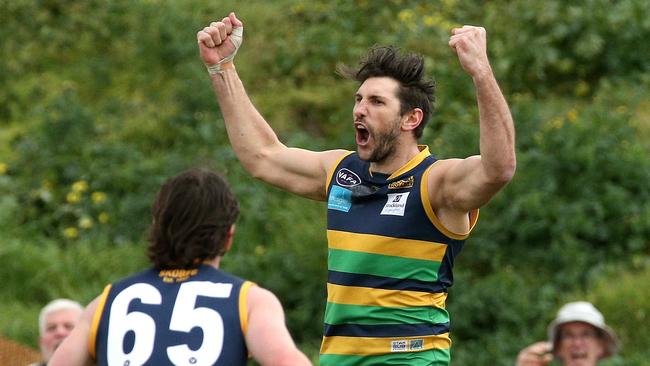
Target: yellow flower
{"points": [[80, 186], [73, 197], [298, 8], [449, 4], [572, 115], [406, 15], [103, 217], [259, 250], [3, 168], [85, 222], [556, 123], [98, 197], [71, 232]]}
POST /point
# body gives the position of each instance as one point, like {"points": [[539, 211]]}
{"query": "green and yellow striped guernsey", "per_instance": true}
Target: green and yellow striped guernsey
{"points": [[389, 267]]}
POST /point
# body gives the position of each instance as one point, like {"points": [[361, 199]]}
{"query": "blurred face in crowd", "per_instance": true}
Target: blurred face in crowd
{"points": [[580, 344], [57, 326]]}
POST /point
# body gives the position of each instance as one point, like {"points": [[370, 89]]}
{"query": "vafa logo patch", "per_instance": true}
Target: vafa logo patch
{"points": [[347, 178]]}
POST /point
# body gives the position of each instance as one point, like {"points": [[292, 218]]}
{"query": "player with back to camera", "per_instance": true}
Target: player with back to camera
{"points": [[184, 310]]}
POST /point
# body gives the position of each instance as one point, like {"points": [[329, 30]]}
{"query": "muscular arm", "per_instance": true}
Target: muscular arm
{"points": [[255, 143], [74, 349], [267, 337], [461, 185], [257, 147]]}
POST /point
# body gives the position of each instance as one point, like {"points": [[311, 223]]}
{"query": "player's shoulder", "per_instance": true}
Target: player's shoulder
{"points": [[259, 296], [442, 165], [332, 157]]}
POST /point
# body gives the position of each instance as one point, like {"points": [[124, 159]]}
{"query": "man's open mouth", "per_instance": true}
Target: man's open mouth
{"points": [[362, 134]]}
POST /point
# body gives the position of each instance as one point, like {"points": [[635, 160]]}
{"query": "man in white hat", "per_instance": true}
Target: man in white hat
{"points": [[577, 337]]}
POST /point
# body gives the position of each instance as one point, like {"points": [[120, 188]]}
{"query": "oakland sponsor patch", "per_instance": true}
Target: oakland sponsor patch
{"points": [[396, 204], [340, 199]]}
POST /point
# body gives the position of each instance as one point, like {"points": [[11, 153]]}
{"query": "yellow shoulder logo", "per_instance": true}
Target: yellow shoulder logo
{"points": [[402, 183]]}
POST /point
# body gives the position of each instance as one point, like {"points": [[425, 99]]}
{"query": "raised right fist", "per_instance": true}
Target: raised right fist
{"points": [[219, 42]]}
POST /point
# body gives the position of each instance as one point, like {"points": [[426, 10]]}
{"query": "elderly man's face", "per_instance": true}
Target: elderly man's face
{"points": [[580, 344], [57, 326]]}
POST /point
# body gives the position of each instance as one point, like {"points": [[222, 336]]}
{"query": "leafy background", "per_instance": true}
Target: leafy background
{"points": [[103, 100]]}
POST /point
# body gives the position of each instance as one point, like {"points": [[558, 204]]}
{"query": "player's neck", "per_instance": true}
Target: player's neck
{"points": [[216, 262], [396, 160]]}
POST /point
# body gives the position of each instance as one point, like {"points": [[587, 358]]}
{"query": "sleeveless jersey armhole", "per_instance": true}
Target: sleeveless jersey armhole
{"points": [[92, 340], [426, 204], [332, 169], [243, 305]]}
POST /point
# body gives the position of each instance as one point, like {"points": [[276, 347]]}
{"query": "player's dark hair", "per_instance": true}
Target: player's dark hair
{"points": [[192, 214], [415, 90]]}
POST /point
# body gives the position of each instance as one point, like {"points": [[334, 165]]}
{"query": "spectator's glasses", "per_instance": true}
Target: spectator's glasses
{"points": [[580, 335]]}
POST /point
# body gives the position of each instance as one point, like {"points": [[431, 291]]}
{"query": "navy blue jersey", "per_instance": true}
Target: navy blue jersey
{"points": [[172, 317], [389, 266]]}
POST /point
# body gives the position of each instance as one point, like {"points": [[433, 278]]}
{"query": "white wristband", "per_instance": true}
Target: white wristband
{"points": [[217, 68], [236, 38]]}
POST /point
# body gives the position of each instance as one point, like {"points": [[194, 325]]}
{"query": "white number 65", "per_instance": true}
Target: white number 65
{"points": [[184, 317]]}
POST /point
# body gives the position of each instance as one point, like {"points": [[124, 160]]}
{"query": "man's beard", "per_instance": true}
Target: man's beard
{"points": [[386, 143]]}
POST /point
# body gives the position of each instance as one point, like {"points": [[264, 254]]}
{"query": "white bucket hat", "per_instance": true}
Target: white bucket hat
{"points": [[582, 311]]}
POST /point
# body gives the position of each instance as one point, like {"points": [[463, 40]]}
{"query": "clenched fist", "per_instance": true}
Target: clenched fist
{"points": [[219, 42], [470, 44]]}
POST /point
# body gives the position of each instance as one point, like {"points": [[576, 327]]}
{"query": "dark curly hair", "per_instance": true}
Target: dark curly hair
{"points": [[192, 214], [415, 91]]}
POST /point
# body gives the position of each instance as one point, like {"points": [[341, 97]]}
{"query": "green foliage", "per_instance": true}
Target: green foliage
{"points": [[102, 101], [280, 245], [500, 305], [38, 270], [621, 294], [567, 47]]}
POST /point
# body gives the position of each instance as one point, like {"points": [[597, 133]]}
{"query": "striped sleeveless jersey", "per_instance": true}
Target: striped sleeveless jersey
{"points": [[389, 266]]}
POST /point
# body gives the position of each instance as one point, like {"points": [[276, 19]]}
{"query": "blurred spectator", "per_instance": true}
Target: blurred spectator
{"points": [[577, 337], [55, 322]]}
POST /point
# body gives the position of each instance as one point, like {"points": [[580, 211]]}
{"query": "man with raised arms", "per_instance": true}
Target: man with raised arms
{"points": [[397, 216]]}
